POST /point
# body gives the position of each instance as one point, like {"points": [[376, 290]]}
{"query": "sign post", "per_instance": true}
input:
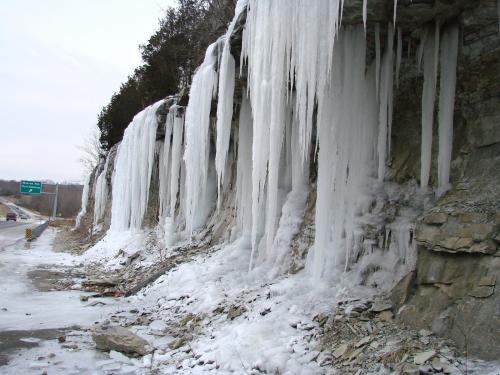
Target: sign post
{"points": [[30, 187]]}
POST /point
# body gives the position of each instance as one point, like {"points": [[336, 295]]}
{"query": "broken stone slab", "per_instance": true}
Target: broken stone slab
{"points": [[363, 342], [436, 364], [421, 358], [340, 350], [436, 218], [401, 292], [455, 243], [120, 339], [485, 247], [488, 280], [482, 291], [472, 217], [427, 233], [379, 306], [407, 369], [177, 343], [386, 316], [100, 283], [235, 311]]}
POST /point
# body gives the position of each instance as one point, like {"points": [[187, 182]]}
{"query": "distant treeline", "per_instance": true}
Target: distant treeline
{"points": [[170, 58], [68, 203]]}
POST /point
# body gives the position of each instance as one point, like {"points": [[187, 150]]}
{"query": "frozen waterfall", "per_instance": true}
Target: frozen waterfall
{"points": [[310, 99], [133, 168]]}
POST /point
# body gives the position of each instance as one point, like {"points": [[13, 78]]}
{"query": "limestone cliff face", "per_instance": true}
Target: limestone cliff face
{"points": [[452, 287]]}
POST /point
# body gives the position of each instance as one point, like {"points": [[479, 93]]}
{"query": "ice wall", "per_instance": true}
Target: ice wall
{"points": [[311, 98], [133, 168]]}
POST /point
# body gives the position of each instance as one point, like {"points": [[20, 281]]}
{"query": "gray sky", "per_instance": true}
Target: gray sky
{"points": [[60, 62]]}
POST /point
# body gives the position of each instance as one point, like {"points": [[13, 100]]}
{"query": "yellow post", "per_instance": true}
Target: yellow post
{"points": [[28, 234]]}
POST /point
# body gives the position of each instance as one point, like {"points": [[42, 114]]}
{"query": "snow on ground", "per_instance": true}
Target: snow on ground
{"points": [[206, 316], [274, 332], [28, 308]]}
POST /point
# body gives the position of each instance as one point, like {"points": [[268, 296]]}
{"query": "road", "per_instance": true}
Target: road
{"points": [[33, 309]]}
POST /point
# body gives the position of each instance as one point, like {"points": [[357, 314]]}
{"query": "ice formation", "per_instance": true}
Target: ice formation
{"points": [[430, 53], [133, 168], [197, 129], [224, 106], [85, 199], [101, 193], [307, 82], [385, 93], [449, 50]]}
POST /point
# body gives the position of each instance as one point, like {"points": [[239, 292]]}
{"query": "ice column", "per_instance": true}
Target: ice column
{"points": [[287, 44], [178, 129], [430, 53], [347, 139], [196, 155], [449, 51], [164, 165], [244, 169], [101, 193], [385, 104], [85, 199], [133, 168]]}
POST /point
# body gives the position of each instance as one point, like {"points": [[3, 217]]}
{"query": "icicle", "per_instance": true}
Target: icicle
{"points": [[85, 199], [421, 47], [133, 168], [244, 169], [385, 104], [428, 99], [365, 12], [395, 11], [347, 137], [178, 127], [498, 11], [225, 104], [377, 57], [101, 193], [165, 166], [399, 53], [449, 51], [203, 89]]}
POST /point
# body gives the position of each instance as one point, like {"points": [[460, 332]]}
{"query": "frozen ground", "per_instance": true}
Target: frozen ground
{"points": [[205, 316]]}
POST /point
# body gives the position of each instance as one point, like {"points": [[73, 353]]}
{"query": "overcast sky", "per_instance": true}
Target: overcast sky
{"points": [[60, 62]]}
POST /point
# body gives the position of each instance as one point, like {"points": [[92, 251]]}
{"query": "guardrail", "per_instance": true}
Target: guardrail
{"points": [[33, 233]]}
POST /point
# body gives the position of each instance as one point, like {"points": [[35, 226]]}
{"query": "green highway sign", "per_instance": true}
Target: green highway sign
{"points": [[31, 187]]}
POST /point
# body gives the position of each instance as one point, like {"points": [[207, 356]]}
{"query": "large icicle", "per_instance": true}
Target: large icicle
{"points": [[244, 170], [428, 98], [449, 51], [347, 139], [164, 165], [85, 199], [196, 155], [385, 104], [225, 103], [177, 130], [365, 11], [399, 54], [133, 168], [287, 44], [101, 193]]}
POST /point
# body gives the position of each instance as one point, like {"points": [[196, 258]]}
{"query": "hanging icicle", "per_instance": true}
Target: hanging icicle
{"points": [[203, 90], [385, 104], [430, 51], [449, 52], [133, 168]]}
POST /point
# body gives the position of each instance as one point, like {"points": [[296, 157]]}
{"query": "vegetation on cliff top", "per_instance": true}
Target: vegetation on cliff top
{"points": [[170, 58]]}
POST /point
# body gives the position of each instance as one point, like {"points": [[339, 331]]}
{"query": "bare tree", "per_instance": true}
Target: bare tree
{"points": [[91, 151]]}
